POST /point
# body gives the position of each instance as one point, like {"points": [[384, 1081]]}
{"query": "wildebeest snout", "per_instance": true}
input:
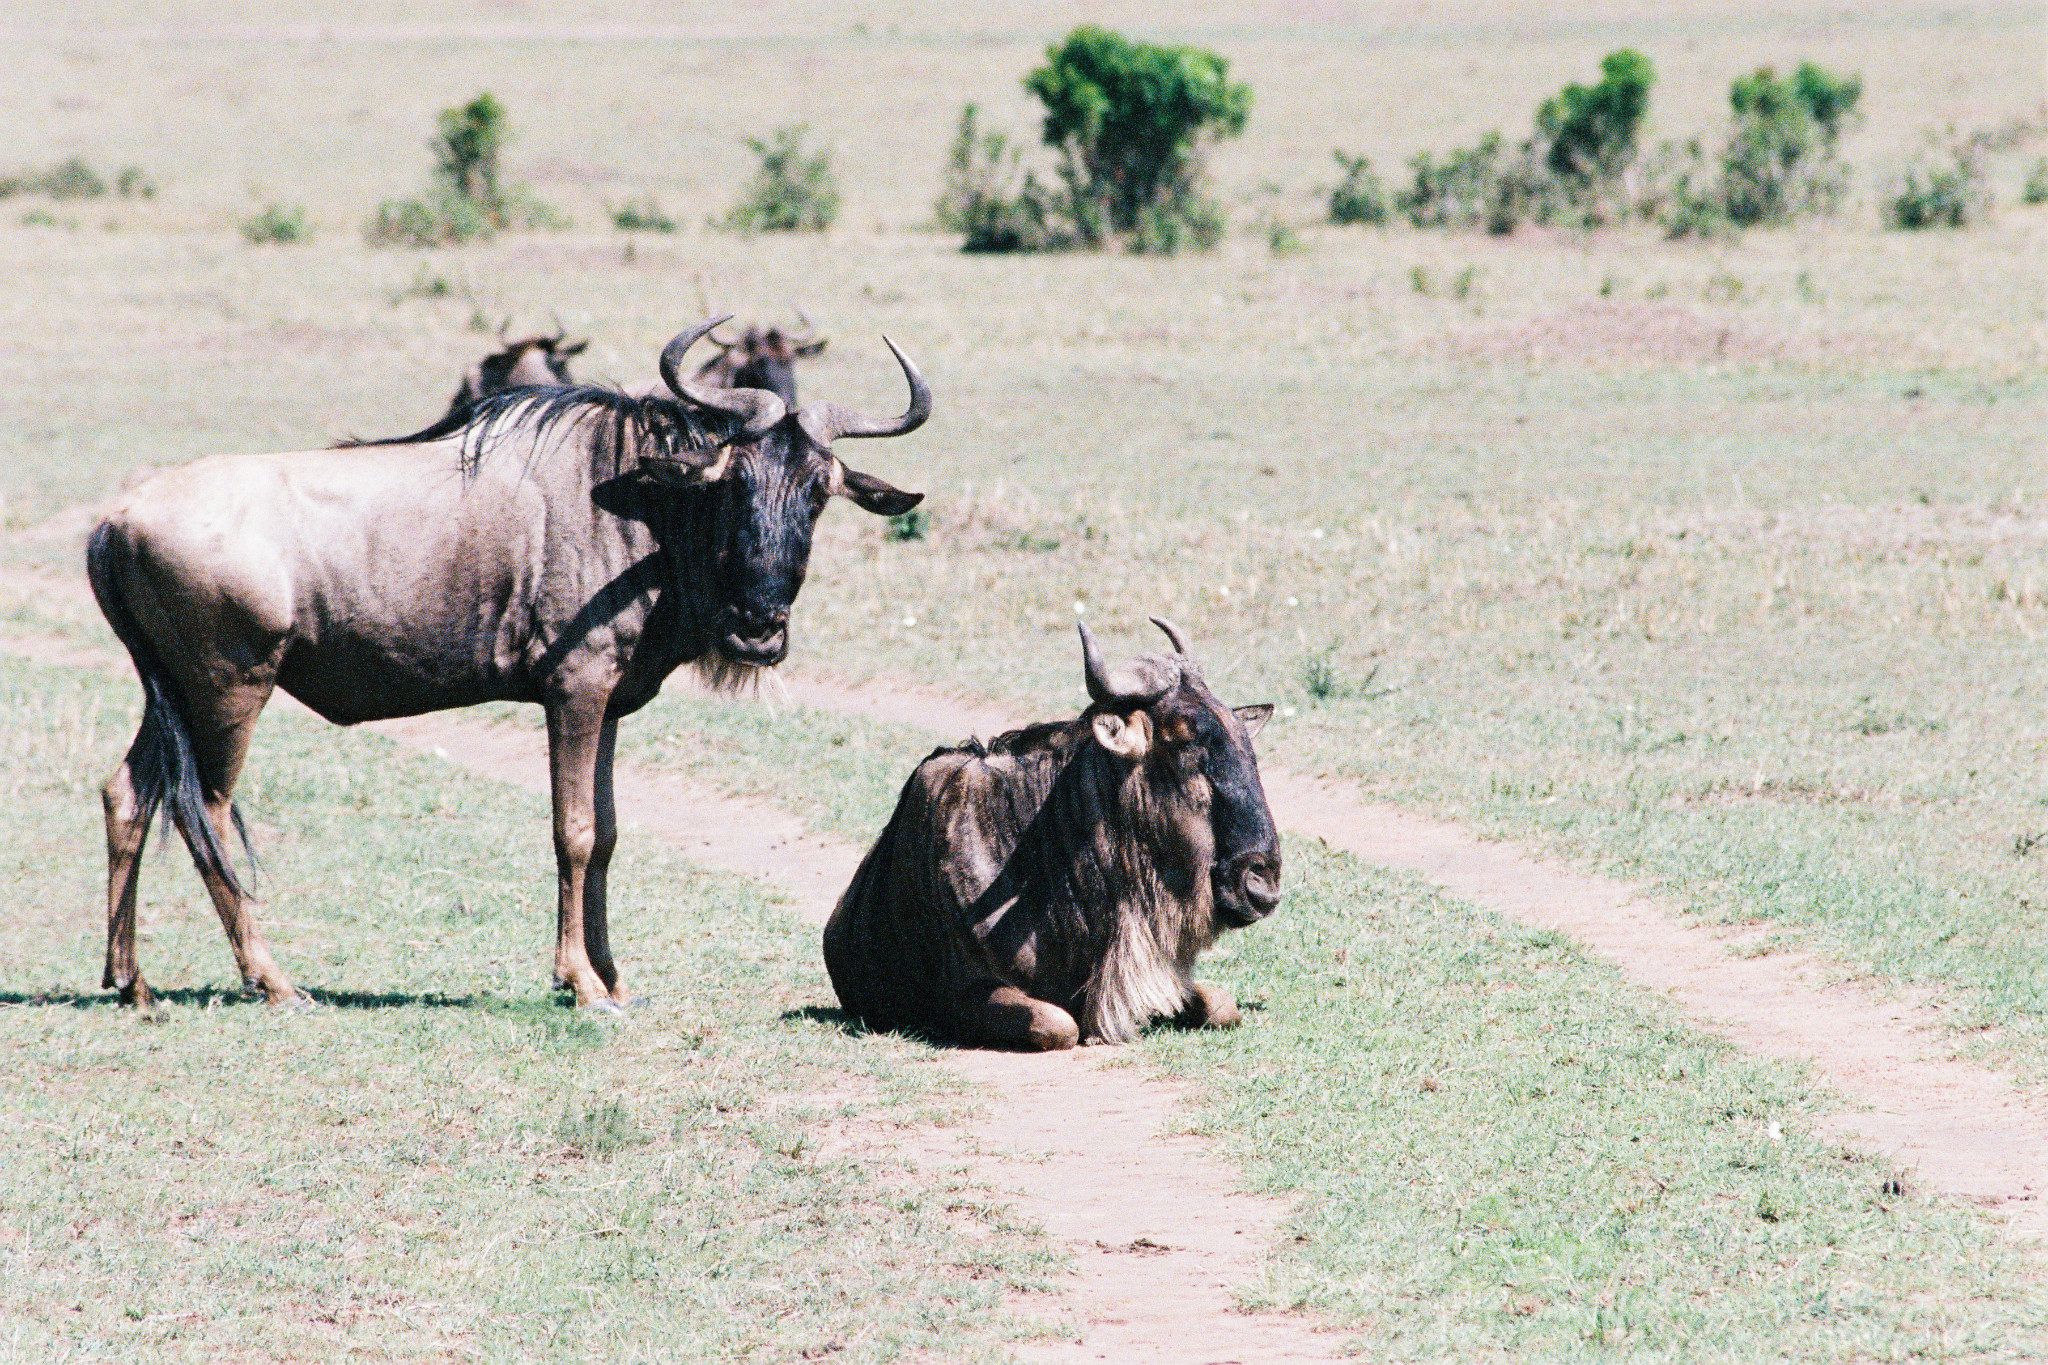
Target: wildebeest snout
{"points": [[1248, 886], [755, 635]]}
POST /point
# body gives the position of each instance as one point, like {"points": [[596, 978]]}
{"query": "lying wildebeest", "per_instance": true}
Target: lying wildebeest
{"points": [[762, 359], [527, 363], [570, 547], [1057, 883]]}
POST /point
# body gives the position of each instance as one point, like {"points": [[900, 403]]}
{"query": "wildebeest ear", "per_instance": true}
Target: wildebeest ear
{"points": [[810, 348], [1128, 737], [872, 494], [574, 349], [1254, 717]]}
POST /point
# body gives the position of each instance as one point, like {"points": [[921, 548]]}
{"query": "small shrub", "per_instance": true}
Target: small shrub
{"points": [[1359, 196], [907, 526], [43, 218], [793, 191], [2036, 189], [642, 216], [468, 200], [131, 183], [1282, 238], [72, 179], [467, 148], [1463, 283], [69, 179], [279, 224], [1589, 135], [443, 220], [983, 200], [1943, 189], [1780, 159]]}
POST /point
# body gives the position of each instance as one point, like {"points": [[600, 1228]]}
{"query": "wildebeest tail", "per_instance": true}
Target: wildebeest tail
{"points": [[161, 763]]}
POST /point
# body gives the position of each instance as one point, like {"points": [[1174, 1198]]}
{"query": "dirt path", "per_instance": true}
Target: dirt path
{"points": [[1966, 1130]]}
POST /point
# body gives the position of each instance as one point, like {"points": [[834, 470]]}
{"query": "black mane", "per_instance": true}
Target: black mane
{"points": [[626, 424]]}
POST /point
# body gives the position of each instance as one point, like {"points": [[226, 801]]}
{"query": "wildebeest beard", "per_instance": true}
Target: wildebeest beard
{"points": [[1116, 856]]}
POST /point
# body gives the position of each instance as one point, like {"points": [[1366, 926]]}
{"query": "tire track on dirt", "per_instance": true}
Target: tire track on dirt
{"points": [[1159, 1228]]}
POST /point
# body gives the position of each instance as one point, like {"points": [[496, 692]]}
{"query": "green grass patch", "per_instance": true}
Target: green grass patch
{"points": [[1503, 1149], [444, 1159]]}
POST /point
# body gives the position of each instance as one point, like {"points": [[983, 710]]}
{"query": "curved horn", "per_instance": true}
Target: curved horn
{"points": [[826, 422], [810, 328], [1180, 641], [1128, 686], [717, 340], [761, 408]]}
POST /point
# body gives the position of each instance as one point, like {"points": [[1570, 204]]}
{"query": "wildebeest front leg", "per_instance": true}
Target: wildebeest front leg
{"points": [[596, 924], [1003, 1016], [576, 739], [1211, 1007]]}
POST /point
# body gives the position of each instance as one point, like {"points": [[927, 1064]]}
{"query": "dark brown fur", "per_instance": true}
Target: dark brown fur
{"points": [[1046, 888]]}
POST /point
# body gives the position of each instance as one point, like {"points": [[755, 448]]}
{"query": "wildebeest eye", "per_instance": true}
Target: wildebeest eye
{"points": [[1176, 729]]}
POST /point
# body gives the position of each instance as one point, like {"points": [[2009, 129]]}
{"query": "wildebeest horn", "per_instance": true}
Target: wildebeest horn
{"points": [[810, 332], [761, 408], [826, 422], [721, 342], [1132, 685], [1180, 641]]}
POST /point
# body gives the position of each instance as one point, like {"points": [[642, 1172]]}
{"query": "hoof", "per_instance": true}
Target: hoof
{"points": [[606, 1008]]}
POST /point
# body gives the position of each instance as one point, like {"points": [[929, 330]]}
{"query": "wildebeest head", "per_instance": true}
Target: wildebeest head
{"points": [[761, 358], [524, 363], [772, 481], [1194, 754]]}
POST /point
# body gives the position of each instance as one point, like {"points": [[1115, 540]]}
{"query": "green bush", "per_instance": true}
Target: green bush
{"points": [[982, 199], [1359, 196], [439, 220], [794, 190], [68, 179], [643, 215], [466, 151], [131, 183], [2036, 188], [1132, 123], [468, 199], [1569, 170], [1943, 189], [1780, 160], [278, 223], [1589, 132]]}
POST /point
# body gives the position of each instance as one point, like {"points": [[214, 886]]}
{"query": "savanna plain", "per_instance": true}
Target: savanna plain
{"points": [[1719, 566]]}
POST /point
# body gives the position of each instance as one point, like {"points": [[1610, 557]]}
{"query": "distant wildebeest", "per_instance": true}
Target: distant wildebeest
{"points": [[1057, 883], [570, 547], [527, 363], [762, 358]]}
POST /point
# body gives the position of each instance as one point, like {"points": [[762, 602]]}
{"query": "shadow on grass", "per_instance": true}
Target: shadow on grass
{"points": [[213, 997]]}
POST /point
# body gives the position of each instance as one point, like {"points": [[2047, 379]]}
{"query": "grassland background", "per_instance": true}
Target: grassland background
{"points": [[1720, 565]]}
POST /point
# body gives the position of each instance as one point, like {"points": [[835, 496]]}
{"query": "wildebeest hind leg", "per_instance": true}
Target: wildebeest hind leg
{"points": [[127, 832], [220, 743], [1003, 1016]]}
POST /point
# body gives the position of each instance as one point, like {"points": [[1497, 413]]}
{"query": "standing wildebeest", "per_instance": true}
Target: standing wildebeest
{"points": [[1059, 882], [762, 359], [571, 547], [530, 362]]}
